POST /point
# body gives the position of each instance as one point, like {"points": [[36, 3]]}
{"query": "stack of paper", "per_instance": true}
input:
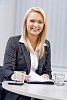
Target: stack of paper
{"points": [[35, 78]]}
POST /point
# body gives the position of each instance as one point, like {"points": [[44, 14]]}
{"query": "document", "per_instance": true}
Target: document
{"points": [[35, 78]]}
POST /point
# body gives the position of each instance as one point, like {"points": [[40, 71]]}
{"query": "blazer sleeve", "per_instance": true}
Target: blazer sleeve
{"points": [[10, 57], [47, 64]]}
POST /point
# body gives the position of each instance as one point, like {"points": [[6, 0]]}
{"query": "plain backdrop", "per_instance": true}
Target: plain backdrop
{"points": [[11, 17]]}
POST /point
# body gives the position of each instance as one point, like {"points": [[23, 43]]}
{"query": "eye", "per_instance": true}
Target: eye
{"points": [[32, 20], [40, 22]]}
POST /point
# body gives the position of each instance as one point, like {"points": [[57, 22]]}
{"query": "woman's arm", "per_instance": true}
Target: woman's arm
{"points": [[10, 58], [47, 66]]}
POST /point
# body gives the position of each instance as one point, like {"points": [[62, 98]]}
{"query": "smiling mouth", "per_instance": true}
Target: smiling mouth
{"points": [[35, 29]]}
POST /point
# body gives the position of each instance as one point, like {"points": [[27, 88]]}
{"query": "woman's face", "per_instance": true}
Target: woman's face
{"points": [[34, 23]]}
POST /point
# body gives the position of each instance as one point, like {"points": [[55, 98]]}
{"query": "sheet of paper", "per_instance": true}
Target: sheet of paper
{"points": [[38, 78]]}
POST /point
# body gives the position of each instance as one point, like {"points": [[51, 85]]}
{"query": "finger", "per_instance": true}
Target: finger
{"points": [[46, 77], [27, 77]]}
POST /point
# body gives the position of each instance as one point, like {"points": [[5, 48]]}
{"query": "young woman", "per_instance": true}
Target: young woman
{"points": [[28, 51]]}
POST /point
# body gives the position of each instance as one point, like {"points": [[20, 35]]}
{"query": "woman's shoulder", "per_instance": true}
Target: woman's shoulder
{"points": [[13, 41], [47, 42], [15, 37]]}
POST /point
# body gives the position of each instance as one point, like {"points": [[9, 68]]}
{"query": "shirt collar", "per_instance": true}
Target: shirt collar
{"points": [[22, 41]]}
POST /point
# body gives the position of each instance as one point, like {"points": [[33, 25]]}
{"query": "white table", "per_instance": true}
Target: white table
{"points": [[41, 91]]}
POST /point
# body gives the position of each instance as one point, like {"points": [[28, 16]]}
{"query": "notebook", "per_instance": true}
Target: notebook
{"points": [[37, 79]]}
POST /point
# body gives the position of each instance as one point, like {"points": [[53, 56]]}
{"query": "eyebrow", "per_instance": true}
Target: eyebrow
{"points": [[37, 20]]}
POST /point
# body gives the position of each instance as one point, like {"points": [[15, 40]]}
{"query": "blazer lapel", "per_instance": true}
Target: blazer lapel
{"points": [[40, 65], [27, 56]]}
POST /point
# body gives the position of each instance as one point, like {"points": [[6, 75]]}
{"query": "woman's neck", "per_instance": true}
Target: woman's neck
{"points": [[33, 41]]}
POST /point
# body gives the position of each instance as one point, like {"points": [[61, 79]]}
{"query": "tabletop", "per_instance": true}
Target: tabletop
{"points": [[41, 91]]}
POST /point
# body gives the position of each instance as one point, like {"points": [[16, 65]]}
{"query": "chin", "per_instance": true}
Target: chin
{"points": [[35, 33]]}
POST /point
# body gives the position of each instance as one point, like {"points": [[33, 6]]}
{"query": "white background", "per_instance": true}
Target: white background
{"points": [[11, 15]]}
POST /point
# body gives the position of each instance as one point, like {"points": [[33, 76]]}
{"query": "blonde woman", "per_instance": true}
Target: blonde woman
{"points": [[29, 51]]}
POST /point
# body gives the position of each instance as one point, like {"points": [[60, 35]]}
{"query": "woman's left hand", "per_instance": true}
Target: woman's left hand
{"points": [[46, 76]]}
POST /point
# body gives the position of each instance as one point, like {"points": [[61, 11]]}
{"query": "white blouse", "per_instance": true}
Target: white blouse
{"points": [[34, 60], [33, 56]]}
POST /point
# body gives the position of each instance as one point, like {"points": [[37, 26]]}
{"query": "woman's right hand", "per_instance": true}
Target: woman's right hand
{"points": [[27, 77], [20, 76]]}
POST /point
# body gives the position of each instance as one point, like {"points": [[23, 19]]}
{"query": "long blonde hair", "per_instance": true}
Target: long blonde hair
{"points": [[42, 36]]}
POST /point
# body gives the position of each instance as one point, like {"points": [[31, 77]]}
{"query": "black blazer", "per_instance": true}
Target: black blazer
{"points": [[17, 57]]}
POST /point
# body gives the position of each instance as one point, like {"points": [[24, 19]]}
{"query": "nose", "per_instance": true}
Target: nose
{"points": [[35, 24]]}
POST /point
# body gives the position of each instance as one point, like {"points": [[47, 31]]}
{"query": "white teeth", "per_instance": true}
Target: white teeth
{"points": [[35, 28]]}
